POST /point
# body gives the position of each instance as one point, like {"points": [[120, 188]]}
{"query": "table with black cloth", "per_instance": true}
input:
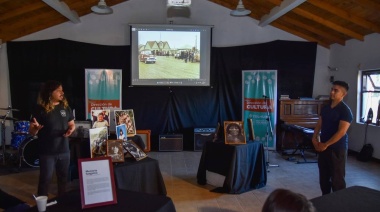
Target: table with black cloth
{"points": [[351, 199], [243, 165], [130, 201], [141, 176]]}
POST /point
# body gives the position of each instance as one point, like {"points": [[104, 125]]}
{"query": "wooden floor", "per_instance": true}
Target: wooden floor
{"points": [[179, 170]]}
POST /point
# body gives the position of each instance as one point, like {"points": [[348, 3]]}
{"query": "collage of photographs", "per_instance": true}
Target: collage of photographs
{"points": [[125, 128]]}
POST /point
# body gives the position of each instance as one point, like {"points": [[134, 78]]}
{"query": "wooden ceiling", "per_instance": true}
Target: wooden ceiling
{"points": [[323, 21]]}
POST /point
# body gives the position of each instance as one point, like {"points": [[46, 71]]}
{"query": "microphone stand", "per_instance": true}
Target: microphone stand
{"points": [[269, 130]]}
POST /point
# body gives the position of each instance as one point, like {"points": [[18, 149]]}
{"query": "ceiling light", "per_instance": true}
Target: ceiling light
{"points": [[102, 8], [240, 10]]}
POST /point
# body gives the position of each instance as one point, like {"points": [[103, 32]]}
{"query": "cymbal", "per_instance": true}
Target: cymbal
{"points": [[8, 118], [9, 108]]}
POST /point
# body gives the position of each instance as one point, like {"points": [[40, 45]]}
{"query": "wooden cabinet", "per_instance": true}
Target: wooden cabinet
{"points": [[304, 113]]}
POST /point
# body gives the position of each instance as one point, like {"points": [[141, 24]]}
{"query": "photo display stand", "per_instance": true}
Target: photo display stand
{"points": [[97, 184]]}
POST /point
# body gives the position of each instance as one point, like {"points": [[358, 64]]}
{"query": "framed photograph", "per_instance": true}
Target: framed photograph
{"points": [[216, 134], [251, 130], [81, 129], [100, 118], [134, 150], [98, 142], [145, 135], [121, 132], [115, 150], [126, 117], [234, 132], [97, 183]]}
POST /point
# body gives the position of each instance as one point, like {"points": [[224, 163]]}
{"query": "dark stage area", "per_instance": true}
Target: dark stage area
{"points": [[163, 110]]}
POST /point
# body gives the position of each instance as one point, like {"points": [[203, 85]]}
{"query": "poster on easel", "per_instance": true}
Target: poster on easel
{"points": [[259, 104], [103, 91]]}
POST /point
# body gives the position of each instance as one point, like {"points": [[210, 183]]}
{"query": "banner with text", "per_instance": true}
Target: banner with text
{"points": [[103, 89], [260, 105]]}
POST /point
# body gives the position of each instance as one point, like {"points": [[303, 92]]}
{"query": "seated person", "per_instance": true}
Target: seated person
{"points": [[286, 200], [11, 203]]}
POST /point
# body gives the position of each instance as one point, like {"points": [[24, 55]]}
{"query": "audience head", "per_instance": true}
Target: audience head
{"points": [[283, 200]]}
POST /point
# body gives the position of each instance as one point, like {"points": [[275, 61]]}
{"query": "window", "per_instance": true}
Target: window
{"points": [[369, 88]]}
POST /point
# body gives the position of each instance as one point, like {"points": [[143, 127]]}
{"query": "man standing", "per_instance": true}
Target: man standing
{"points": [[53, 122], [331, 140]]}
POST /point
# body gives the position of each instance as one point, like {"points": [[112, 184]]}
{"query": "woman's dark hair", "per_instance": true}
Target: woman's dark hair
{"points": [[45, 94], [235, 125], [284, 200]]}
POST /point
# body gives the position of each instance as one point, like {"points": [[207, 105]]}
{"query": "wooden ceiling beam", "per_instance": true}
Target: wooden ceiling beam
{"points": [[302, 35], [369, 4], [301, 25], [328, 24], [346, 15], [278, 11], [21, 11]]}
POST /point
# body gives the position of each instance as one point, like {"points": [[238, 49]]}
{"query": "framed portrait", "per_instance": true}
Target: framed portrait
{"points": [[97, 183], [134, 150], [81, 129], [100, 118], [121, 132], [98, 142], [234, 132], [145, 135], [115, 150], [126, 117]]}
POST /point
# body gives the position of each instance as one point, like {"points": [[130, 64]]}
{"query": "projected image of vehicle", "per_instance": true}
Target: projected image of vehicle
{"points": [[147, 57]]}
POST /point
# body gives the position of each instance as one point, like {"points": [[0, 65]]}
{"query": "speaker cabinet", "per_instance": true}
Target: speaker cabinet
{"points": [[201, 135], [171, 142]]}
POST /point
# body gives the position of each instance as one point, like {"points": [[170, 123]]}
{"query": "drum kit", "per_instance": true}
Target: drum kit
{"points": [[23, 145]]}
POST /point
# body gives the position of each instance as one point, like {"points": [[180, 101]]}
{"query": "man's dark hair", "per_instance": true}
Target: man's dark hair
{"points": [[342, 83]]}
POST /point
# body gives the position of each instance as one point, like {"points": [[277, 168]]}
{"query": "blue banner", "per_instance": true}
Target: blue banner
{"points": [[260, 105]]}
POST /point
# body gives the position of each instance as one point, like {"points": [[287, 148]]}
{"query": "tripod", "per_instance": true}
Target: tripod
{"points": [[269, 130]]}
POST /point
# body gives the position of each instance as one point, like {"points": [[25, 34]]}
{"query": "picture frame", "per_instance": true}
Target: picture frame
{"points": [[126, 117], [98, 142], [145, 135], [115, 150], [105, 122], [81, 129], [121, 132], [97, 183], [134, 150], [251, 130], [216, 134], [234, 132]]}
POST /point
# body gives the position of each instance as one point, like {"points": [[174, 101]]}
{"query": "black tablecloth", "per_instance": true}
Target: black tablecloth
{"points": [[126, 201], [141, 176], [243, 166], [352, 199]]}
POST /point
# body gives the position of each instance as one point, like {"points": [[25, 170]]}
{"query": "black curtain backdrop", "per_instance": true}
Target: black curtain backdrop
{"points": [[163, 110]]}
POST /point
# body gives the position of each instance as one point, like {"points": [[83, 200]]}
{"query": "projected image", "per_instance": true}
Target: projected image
{"points": [[175, 55], [170, 55]]}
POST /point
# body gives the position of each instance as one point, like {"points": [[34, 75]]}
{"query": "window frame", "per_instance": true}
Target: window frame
{"points": [[362, 115]]}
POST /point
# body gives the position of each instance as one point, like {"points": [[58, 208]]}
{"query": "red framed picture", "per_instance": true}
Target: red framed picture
{"points": [[97, 183]]}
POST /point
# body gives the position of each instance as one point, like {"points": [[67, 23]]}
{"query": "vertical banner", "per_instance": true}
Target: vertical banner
{"points": [[103, 89], [260, 105]]}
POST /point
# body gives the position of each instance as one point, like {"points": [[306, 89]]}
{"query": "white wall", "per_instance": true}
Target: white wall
{"points": [[354, 56], [113, 30]]}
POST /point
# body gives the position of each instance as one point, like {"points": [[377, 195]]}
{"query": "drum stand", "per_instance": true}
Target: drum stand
{"points": [[269, 130]]}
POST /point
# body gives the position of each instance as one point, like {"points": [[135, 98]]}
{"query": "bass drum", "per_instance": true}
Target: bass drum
{"points": [[29, 151]]}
